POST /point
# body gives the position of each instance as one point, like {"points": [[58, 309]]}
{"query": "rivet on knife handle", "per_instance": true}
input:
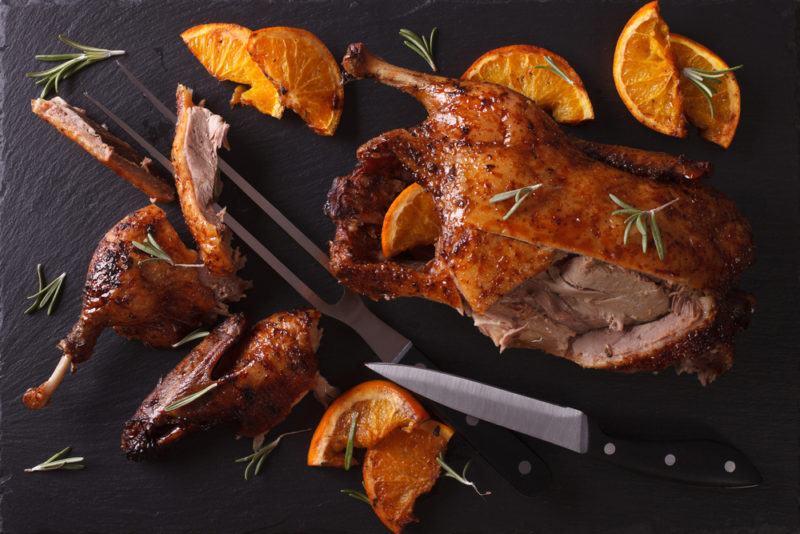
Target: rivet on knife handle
{"points": [[503, 450]]}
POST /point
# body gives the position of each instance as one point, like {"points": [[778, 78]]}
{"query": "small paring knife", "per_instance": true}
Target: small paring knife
{"points": [[698, 462]]}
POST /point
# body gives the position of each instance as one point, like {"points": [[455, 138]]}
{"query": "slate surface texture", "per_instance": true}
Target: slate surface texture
{"points": [[57, 202]]}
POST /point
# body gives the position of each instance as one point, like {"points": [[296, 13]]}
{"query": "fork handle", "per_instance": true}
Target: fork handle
{"points": [[500, 447]]}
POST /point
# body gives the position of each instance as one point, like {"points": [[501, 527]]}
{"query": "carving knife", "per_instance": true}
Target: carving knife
{"points": [[699, 462], [501, 449]]}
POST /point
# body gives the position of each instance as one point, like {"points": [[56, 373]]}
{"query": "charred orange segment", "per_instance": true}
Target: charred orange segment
{"points": [[541, 75], [379, 407], [645, 73], [222, 49], [402, 467], [717, 119], [305, 73], [411, 221]]}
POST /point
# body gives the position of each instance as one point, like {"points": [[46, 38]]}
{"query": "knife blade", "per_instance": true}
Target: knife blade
{"points": [[698, 461]]}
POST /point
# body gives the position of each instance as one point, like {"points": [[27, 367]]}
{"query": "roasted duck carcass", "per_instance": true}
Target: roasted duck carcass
{"points": [[258, 374], [107, 148], [155, 301], [556, 275]]}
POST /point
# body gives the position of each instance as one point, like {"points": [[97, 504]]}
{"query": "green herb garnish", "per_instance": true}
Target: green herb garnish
{"points": [[519, 196], [351, 435], [151, 247], [191, 336], [255, 461], [552, 67], [188, 399], [357, 495], [57, 461], [421, 45], [462, 478], [72, 63], [48, 294], [707, 81], [641, 219]]}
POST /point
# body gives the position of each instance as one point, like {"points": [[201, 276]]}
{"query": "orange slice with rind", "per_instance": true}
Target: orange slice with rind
{"points": [[411, 221], [222, 50], [541, 75], [646, 74], [305, 73], [379, 407], [717, 116], [400, 468]]}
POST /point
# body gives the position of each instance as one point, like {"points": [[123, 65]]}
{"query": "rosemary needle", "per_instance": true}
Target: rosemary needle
{"points": [[47, 295], [58, 461], [71, 63], [188, 399], [191, 336], [357, 495], [462, 478], [150, 246], [348, 451], [519, 196], [552, 67], [423, 46], [255, 461], [641, 219], [701, 79]]}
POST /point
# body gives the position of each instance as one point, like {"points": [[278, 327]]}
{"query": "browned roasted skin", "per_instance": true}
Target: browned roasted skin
{"points": [[656, 165], [198, 135], [259, 374], [482, 139], [151, 301], [107, 148]]}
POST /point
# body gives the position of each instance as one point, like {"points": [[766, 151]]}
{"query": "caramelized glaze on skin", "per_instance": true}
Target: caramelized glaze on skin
{"points": [[482, 139], [261, 373], [154, 302]]}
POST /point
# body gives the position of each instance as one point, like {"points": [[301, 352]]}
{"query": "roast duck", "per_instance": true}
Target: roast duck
{"points": [[154, 301], [556, 275]]}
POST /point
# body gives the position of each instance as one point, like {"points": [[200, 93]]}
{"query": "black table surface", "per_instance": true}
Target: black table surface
{"points": [[57, 202]]}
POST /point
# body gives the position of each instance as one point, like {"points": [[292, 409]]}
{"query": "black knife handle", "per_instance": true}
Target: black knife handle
{"points": [[500, 447], [700, 462]]}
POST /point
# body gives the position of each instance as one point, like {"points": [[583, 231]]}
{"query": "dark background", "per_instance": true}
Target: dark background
{"points": [[57, 202]]}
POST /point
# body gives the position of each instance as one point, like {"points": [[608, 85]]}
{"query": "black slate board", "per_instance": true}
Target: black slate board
{"points": [[57, 202]]}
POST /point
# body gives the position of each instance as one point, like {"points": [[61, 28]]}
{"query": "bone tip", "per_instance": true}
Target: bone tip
{"points": [[355, 60], [36, 398]]}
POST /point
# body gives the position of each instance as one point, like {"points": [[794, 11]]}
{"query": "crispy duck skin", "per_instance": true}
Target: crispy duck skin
{"points": [[260, 374], [107, 148], [154, 302], [518, 278], [198, 135]]}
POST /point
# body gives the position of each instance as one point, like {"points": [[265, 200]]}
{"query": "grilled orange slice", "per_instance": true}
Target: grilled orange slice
{"points": [[553, 84], [411, 221], [400, 468], [305, 73], [646, 75], [222, 49], [379, 407], [719, 125]]}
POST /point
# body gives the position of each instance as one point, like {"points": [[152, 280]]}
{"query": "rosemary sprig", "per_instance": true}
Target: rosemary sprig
{"points": [[641, 219], [188, 399], [48, 294], [348, 450], [72, 63], [462, 478], [255, 461], [151, 247], [191, 336], [357, 495], [707, 81], [58, 461], [519, 196], [552, 67], [420, 45]]}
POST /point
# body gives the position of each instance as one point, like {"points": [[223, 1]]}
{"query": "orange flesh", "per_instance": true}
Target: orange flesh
{"points": [[411, 221]]}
